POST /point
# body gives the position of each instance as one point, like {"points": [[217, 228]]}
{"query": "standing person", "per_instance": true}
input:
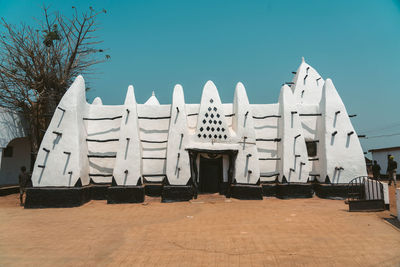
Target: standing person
{"points": [[387, 168], [376, 171], [392, 167], [23, 179]]}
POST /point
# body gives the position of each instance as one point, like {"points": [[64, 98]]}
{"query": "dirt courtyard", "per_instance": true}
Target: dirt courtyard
{"points": [[209, 231]]}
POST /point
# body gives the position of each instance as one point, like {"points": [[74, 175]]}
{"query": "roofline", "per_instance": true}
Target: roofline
{"points": [[385, 149]]}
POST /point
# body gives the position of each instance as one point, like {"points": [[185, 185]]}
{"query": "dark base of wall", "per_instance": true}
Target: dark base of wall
{"points": [[286, 191], [153, 190], [8, 190], [56, 197], [125, 194], [269, 190], [366, 205], [171, 193], [248, 192], [331, 191], [53, 197], [99, 191]]}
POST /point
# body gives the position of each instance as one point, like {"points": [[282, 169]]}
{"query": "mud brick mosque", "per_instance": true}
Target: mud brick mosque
{"points": [[302, 144]]}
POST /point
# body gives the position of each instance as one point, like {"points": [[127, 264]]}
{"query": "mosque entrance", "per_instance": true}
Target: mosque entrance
{"points": [[212, 170], [211, 174]]}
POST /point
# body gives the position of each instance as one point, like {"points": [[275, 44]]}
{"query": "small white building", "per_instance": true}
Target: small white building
{"points": [[185, 149], [381, 156], [15, 149]]}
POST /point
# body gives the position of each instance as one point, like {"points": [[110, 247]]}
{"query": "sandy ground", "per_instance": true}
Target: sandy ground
{"points": [[209, 231]]}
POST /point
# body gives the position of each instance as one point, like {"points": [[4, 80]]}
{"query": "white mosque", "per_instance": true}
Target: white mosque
{"points": [[179, 150]]}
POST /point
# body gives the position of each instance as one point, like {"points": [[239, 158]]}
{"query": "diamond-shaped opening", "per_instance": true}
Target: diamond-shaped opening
{"points": [[220, 136], [208, 128], [209, 108], [215, 136], [211, 100], [199, 135], [201, 129], [223, 129], [215, 109], [210, 136], [220, 122], [225, 136], [212, 129], [212, 116], [206, 115], [215, 122], [204, 121], [204, 135], [210, 121], [218, 115], [218, 129]]}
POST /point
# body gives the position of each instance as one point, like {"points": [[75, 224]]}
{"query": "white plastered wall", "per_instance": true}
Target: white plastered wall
{"points": [[295, 166], [153, 126], [155, 132], [98, 132], [178, 164], [266, 123], [342, 157], [128, 163], [62, 157], [247, 168], [211, 117], [307, 89]]}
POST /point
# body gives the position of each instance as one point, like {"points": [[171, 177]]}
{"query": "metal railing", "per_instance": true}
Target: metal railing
{"points": [[364, 188]]}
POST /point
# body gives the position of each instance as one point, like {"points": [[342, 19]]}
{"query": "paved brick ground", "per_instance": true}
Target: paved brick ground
{"points": [[210, 231]]}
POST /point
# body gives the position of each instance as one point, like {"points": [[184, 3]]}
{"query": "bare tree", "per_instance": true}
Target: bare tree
{"points": [[38, 64]]}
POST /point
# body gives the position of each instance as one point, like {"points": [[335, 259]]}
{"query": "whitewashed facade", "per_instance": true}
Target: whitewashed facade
{"points": [[133, 143]]}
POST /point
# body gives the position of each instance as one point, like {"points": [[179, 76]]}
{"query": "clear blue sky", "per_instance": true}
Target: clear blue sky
{"points": [[156, 44]]}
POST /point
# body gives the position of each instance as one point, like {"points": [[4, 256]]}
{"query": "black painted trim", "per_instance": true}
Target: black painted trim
{"points": [[99, 191], [102, 119], [269, 190], [268, 140], [153, 189], [102, 140], [175, 193], [310, 114], [56, 197], [292, 190], [153, 142], [125, 194], [247, 192], [331, 191], [265, 117], [154, 118]]}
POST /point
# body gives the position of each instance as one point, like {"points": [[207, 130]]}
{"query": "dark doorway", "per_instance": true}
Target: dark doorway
{"points": [[210, 174]]}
